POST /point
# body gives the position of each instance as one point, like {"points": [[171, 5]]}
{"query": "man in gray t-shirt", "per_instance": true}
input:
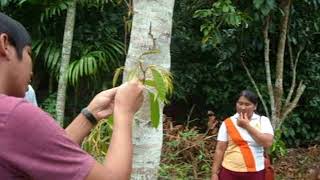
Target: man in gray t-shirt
{"points": [[33, 146], [30, 96]]}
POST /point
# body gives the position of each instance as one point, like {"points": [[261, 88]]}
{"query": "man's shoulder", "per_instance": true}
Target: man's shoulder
{"points": [[8, 103], [19, 111], [35, 122]]}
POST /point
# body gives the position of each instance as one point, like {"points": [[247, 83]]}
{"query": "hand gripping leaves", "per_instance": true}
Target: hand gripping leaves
{"points": [[157, 80], [158, 83]]}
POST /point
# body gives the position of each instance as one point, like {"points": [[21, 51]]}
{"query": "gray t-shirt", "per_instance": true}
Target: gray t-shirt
{"points": [[33, 146], [30, 96]]}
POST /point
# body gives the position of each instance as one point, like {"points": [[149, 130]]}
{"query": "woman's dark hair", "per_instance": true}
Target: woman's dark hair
{"points": [[251, 96], [18, 35]]}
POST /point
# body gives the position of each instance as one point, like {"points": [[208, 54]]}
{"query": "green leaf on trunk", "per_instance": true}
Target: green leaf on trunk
{"points": [[116, 75], [159, 83], [150, 83], [153, 51], [155, 110]]}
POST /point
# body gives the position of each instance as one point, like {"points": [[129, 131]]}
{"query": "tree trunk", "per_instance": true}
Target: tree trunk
{"points": [[278, 88], [279, 105], [66, 53], [151, 28], [280, 108], [268, 69]]}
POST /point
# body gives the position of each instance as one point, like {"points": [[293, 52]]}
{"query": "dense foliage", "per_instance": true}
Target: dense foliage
{"points": [[209, 75]]}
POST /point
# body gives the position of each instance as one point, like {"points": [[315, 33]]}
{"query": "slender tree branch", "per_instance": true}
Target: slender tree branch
{"points": [[255, 87], [126, 20], [127, 3], [293, 64], [267, 66], [294, 103]]}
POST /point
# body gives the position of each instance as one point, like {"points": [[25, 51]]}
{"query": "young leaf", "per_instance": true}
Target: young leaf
{"points": [[153, 51], [132, 74], [160, 84], [155, 110], [150, 83], [167, 78], [116, 76]]}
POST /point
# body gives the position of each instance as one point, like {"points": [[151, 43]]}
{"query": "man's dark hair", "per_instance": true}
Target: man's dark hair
{"points": [[18, 35], [251, 96]]}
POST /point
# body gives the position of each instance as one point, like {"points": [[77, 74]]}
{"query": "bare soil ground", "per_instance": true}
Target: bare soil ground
{"points": [[300, 164]]}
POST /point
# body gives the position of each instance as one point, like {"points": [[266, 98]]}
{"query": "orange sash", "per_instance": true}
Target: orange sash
{"points": [[243, 145]]}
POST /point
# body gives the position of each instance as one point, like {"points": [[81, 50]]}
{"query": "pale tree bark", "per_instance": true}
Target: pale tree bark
{"points": [[151, 29], [268, 69], [280, 106], [278, 87], [293, 65], [282, 110], [65, 59]]}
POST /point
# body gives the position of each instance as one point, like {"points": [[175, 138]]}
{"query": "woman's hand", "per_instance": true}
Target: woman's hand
{"points": [[243, 121]]}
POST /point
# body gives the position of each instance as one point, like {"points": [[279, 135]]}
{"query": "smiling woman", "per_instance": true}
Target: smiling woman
{"points": [[241, 142], [247, 103]]}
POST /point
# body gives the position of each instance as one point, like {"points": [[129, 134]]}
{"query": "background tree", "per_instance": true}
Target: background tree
{"points": [[280, 106], [65, 59]]}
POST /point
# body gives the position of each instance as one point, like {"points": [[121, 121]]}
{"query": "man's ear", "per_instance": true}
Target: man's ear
{"points": [[4, 43]]}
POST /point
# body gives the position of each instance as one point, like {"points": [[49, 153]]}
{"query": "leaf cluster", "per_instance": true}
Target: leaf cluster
{"points": [[157, 80]]}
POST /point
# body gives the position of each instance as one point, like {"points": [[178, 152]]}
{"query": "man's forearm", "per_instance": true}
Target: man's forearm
{"points": [[264, 140], [119, 156], [78, 129]]}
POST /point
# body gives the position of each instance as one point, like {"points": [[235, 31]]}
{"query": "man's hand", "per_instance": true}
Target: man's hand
{"points": [[102, 104], [243, 120], [118, 161], [129, 97]]}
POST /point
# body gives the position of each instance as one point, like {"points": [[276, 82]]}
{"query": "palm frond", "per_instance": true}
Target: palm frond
{"points": [[55, 8], [89, 65], [49, 52]]}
